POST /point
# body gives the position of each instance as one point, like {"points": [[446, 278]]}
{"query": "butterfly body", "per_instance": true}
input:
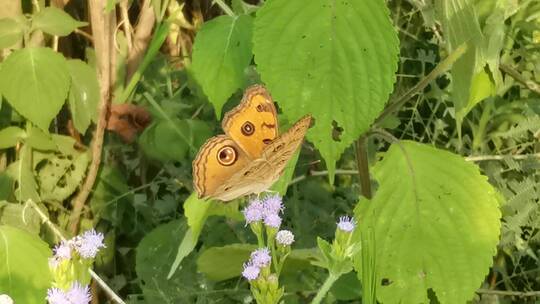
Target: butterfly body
{"points": [[251, 155]]}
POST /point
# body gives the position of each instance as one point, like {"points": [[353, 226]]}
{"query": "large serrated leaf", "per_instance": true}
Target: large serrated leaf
{"points": [[221, 52], [35, 81], [24, 271], [436, 222], [333, 59], [55, 21], [83, 94]]}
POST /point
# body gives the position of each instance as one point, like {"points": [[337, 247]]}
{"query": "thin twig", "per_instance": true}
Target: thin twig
{"points": [[531, 85], [102, 30], [479, 158], [84, 34], [442, 67], [61, 236], [141, 38], [126, 24], [224, 7], [509, 293]]}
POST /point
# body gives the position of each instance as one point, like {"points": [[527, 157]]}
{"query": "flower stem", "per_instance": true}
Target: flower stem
{"points": [[325, 288]]}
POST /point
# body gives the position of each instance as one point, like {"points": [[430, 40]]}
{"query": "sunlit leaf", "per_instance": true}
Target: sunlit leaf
{"points": [[35, 81], [83, 94], [22, 172], [436, 224], [55, 21], [11, 32], [20, 216], [24, 270], [10, 136], [221, 52], [333, 59]]}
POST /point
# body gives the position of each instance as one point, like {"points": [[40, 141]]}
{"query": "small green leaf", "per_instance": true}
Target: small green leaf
{"points": [[221, 52], [481, 88], [83, 94], [11, 32], [21, 171], [35, 81], [55, 21], [24, 271], [10, 136], [40, 140], [334, 60], [20, 216], [436, 224]]}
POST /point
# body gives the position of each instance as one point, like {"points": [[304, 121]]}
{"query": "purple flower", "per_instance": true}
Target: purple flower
{"points": [[89, 243], [5, 299], [63, 250], [272, 220], [57, 296], [285, 237], [254, 211], [346, 224], [79, 294], [260, 257], [250, 271], [273, 204]]}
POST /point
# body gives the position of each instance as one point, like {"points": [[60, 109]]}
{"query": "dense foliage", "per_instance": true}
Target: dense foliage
{"points": [[426, 129]]}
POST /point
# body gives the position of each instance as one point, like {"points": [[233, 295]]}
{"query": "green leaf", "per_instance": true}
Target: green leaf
{"points": [[460, 25], [163, 142], [21, 171], [481, 88], [40, 140], [10, 136], [111, 196], [60, 175], [11, 32], [55, 21], [20, 216], [155, 253], [6, 186], [436, 223], [333, 59], [83, 95], [222, 263], [35, 81], [221, 52], [24, 271]]}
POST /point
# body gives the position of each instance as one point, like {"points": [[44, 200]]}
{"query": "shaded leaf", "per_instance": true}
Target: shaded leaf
{"points": [[111, 195], [24, 271], [436, 223], [222, 263], [6, 185], [22, 172], [155, 253], [345, 56], [55, 21], [35, 81], [221, 52], [83, 94]]}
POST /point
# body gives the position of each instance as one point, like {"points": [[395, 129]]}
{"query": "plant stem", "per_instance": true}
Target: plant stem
{"points": [[530, 84], [442, 67], [363, 166], [325, 288], [224, 7]]}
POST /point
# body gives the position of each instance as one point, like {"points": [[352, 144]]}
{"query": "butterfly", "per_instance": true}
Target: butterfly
{"points": [[251, 155]]}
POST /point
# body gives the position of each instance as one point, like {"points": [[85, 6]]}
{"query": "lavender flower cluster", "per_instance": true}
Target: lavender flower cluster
{"points": [[86, 246], [266, 210], [260, 258], [77, 294]]}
